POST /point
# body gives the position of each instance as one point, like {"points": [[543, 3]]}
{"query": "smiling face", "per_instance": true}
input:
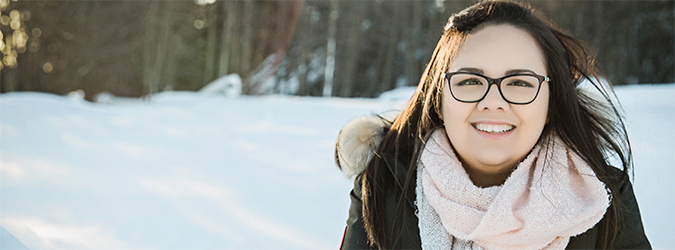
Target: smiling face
{"points": [[491, 136]]}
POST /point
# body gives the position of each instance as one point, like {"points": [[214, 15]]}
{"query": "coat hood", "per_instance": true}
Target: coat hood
{"points": [[357, 142]]}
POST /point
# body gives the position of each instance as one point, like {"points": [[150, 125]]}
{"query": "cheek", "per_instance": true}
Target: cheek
{"points": [[455, 112], [455, 117], [536, 114]]}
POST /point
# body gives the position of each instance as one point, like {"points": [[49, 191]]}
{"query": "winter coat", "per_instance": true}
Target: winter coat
{"points": [[356, 145]]}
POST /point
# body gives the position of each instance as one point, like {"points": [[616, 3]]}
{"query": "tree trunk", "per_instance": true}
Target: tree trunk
{"points": [[412, 71], [154, 59], [330, 49], [351, 47], [210, 57], [247, 38], [226, 39], [388, 73]]}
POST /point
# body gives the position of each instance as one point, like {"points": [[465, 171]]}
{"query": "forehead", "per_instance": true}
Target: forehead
{"points": [[497, 49]]}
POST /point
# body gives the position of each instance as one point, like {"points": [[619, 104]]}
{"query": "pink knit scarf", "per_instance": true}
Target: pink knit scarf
{"points": [[550, 196]]}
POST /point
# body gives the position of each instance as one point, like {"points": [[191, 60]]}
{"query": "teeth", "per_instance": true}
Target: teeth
{"points": [[494, 129]]}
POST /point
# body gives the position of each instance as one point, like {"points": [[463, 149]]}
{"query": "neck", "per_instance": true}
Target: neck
{"points": [[484, 180]]}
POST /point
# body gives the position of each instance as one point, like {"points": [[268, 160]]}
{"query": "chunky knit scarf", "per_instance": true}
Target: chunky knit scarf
{"points": [[549, 197]]}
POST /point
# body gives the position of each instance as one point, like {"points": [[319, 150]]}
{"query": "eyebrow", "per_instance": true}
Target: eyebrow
{"points": [[508, 72], [519, 71], [472, 70]]}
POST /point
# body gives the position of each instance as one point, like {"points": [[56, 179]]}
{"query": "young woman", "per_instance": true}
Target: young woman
{"points": [[499, 147]]}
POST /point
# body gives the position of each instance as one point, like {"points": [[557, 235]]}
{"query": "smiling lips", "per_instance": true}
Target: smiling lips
{"points": [[493, 128]]}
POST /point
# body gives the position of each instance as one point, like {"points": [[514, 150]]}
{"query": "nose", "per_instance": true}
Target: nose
{"points": [[493, 100]]}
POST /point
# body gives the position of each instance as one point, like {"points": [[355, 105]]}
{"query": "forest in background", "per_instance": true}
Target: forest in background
{"points": [[339, 48]]}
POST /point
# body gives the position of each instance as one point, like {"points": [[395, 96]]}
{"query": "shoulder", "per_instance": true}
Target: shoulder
{"points": [[619, 178], [630, 229], [358, 141]]}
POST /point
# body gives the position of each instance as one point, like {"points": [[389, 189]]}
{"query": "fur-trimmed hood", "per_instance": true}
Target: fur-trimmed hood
{"points": [[358, 140]]}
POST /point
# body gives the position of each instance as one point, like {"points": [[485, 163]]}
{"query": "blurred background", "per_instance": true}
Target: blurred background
{"points": [[293, 47]]}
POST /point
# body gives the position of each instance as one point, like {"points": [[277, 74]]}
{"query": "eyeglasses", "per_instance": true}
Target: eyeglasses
{"points": [[519, 88]]}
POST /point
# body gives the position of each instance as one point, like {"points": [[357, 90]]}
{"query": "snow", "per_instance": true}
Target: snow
{"points": [[401, 93], [183, 170], [229, 85]]}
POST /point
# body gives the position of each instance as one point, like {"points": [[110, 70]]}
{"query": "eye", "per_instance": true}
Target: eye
{"points": [[472, 81], [520, 83]]}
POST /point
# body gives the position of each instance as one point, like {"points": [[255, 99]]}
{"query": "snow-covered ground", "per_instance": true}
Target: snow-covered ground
{"points": [[190, 171]]}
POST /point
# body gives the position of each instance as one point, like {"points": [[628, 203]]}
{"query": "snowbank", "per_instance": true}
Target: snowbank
{"points": [[182, 170]]}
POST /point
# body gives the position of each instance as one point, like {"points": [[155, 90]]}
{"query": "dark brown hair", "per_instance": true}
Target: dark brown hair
{"points": [[591, 127]]}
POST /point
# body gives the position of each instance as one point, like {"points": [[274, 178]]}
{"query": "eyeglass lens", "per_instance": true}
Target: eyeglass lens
{"points": [[516, 89]]}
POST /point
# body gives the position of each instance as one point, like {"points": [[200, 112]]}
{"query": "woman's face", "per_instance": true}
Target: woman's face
{"points": [[491, 136]]}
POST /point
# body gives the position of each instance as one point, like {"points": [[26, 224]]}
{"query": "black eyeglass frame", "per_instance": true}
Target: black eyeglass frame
{"points": [[497, 81]]}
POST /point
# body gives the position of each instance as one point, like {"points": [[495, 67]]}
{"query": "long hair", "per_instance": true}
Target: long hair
{"points": [[590, 126]]}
